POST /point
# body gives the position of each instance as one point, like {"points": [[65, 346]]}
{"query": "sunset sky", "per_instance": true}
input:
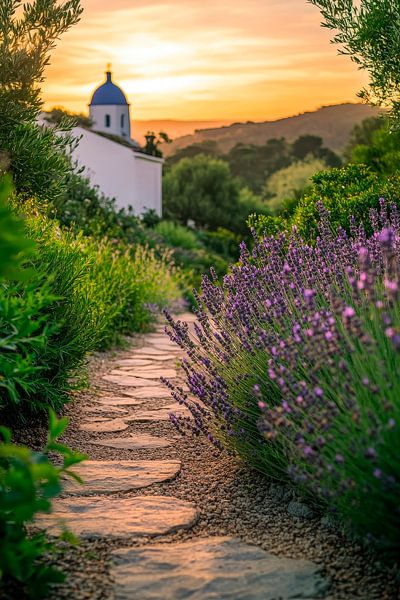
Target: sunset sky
{"points": [[203, 59]]}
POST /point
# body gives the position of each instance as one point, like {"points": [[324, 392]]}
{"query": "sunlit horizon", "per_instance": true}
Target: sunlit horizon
{"points": [[217, 61]]}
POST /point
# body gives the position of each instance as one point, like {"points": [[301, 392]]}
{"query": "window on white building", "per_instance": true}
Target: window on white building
{"points": [[107, 120], [122, 121]]}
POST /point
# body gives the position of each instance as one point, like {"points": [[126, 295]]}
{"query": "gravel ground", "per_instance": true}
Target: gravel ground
{"points": [[232, 500]]}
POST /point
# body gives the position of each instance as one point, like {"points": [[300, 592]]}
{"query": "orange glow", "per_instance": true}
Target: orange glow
{"points": [[214, 59]]}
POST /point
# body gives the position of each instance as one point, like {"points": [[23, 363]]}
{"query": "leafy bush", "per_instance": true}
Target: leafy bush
{"points": [[13, 244], [28, 33], [84, 208], [201, 190], [291, 182], [346, 193], [28, 483], [380, 151], [177, 235], [296, 362], [77, 295]]}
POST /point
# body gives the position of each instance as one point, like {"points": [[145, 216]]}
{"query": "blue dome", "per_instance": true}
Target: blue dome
{"points": [[108, 93]]}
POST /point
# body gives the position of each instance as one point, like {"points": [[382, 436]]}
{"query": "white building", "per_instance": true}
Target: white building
{"points": [[117, 164]]}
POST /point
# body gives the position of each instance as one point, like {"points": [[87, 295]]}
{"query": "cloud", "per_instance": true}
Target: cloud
{"points": [[186, 59]]}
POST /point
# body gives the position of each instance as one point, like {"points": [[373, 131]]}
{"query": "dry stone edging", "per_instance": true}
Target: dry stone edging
{"points": [[98, 517], [213, 568], [107, 477]]}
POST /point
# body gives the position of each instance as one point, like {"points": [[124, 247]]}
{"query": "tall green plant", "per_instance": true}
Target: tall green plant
{"points": [[28, 33], [28, 483]]}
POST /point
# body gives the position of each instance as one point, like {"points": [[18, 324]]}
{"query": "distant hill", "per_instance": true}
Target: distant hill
{"points": [[332, 123], [173, 127]]}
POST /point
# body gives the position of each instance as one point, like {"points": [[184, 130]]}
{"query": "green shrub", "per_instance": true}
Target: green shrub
{"points": [[13, 244], [291, 183], [202, 190], [84, 208], [78, 295], [28, 34], [176, 235], [130, 286], [223, 242], [296, 360], [28, 483], [348, 192]]}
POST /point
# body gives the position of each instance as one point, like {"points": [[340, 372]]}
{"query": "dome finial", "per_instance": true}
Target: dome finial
{"points": [[108, 72]]}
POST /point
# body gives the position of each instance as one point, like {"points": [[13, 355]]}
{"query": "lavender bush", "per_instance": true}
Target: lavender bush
{"points": [[294, 365]]}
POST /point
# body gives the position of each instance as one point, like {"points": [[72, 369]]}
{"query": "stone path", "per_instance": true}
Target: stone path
{"points": [[131, 503]]}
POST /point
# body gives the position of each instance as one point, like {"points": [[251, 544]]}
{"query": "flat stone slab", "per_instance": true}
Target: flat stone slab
{"points": [[149, 350], [160, 414], [154, 374], [110, 425], [99, 516], [154, 366], [158, 357], [167, 347], [99, 408], [134, 362], [216, 568], [163, 340], [116, 401], [106, 477], [151, 392], [138, 441], [128, 381]]}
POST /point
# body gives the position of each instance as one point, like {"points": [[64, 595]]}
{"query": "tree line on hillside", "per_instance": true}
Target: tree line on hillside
{"points": [[206, 190], [253, 164]]}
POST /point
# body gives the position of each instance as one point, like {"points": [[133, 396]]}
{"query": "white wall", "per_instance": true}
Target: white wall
{"points": [[132, 178], [148, 182]]}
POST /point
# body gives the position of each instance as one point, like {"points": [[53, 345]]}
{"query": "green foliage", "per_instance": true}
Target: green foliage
{"points": [[348, 192], [59, 115], [369, 33], [362, 133], [154, 143], [266, 225], [28, 33], [291, 182], [380, 149], [253, 164], [13, 244], [177, 235], [223, 242], [311, 146], [84, 208], [209, 148], [28, 483], [81, 295], [201, 190]]}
